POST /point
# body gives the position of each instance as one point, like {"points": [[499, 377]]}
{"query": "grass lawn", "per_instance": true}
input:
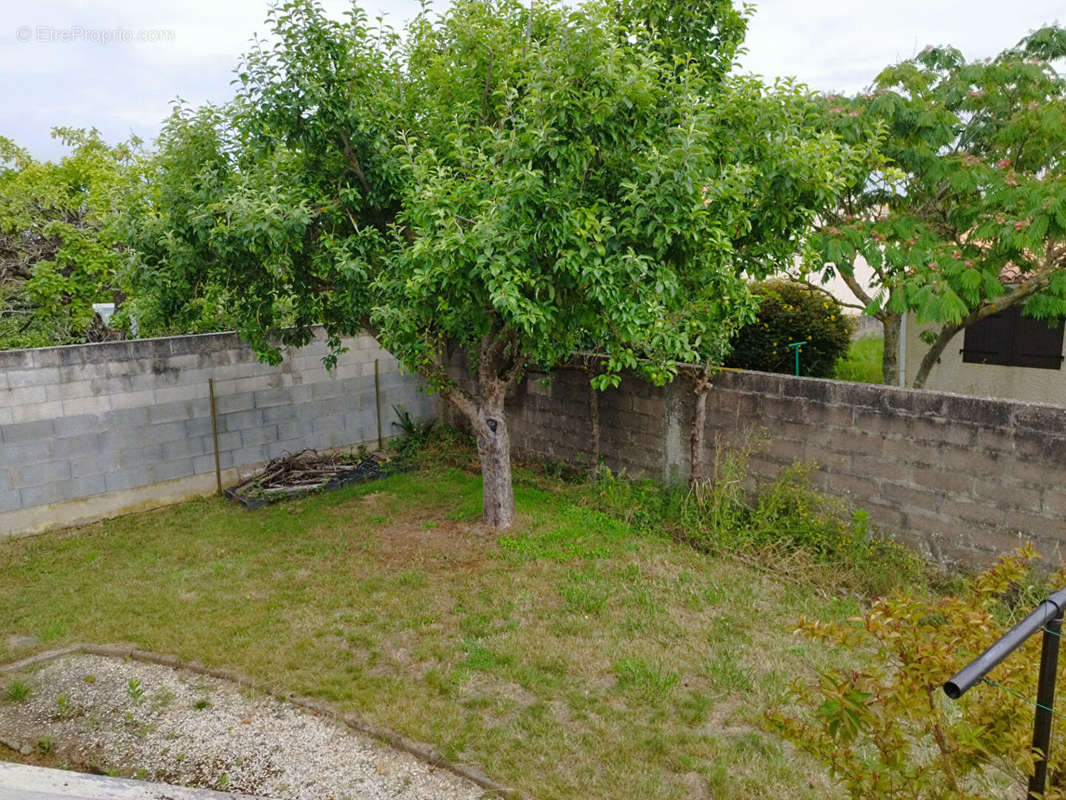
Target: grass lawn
{"points": [[576, 657], [863, 362]]}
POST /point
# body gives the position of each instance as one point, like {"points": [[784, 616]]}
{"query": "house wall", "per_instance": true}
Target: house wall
{"points": [[982, 380], [960, 478], [90, 431]]}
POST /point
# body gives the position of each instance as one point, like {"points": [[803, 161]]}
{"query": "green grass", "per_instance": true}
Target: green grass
{"points": [[17, 691], [863, 362], [586, 654]]}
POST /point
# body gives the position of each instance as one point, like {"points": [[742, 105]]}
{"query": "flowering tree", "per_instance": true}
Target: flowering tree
{"points": [[961, 211]]}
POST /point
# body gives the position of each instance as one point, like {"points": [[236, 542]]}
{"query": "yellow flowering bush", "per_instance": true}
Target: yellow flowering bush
{"points": [[789, 313], [884, 727]]}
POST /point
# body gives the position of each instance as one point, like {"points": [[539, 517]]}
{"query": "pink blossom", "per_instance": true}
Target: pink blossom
{"points": [[1021, 224], [853, 114], [969, 263], [1012, 181], [956, 255], [933, 265], [835, 231], [1003, 163]]}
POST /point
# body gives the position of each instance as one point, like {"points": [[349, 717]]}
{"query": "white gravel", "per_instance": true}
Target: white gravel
{"points": [[180, 727]]}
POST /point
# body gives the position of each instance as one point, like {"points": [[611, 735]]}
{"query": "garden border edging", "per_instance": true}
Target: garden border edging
{"points": [[354, 722]]}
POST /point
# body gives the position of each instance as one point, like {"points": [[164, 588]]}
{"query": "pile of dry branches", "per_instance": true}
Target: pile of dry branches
{"points": [[296, 473]]}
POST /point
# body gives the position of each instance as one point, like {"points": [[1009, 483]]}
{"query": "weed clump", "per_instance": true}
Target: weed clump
{"points": [[785, 520]]}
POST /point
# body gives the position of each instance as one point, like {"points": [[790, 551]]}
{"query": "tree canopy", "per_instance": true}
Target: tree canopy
{"points": [[507, 181], [961, 209], [59, 243]]}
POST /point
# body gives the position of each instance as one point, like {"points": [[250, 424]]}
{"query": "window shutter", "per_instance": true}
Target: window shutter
{"points": [[989, 341], [1013, 340], [1038, 344]]}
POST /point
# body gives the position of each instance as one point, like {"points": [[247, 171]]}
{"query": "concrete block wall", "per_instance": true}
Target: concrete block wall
{"points": [[961, 478], [89, 431]]}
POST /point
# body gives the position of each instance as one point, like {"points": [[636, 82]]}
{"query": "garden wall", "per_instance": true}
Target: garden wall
{"points": [[962, 478], [90, 431]]}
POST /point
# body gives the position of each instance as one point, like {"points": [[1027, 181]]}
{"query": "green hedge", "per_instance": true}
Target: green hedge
{"points": [[788, 313]]}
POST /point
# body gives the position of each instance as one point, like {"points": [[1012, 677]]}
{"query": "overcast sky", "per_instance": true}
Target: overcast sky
{"points": [[80, 63]]}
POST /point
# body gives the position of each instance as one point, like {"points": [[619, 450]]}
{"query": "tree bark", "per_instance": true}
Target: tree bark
{"points": [[494, 449], [698, 454], [891, 323], [594, 420], [488, 418], [932, 355]]}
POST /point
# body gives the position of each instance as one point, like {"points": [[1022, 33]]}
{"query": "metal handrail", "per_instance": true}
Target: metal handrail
{"points": [[1048, 616]]}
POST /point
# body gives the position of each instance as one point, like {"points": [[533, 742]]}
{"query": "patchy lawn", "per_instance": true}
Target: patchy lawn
{"points": [[575, 657]]}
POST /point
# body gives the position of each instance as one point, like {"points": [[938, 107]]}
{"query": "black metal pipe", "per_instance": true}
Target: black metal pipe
{"points": [[973, 672], [1045, 703]]}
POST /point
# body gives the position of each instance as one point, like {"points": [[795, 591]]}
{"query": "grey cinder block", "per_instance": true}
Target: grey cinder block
{"points": [[18, 433], [39, 474]]}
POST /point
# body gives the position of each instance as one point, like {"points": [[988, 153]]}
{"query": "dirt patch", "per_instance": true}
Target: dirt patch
{"points": [[433, 544], [175, 726]]}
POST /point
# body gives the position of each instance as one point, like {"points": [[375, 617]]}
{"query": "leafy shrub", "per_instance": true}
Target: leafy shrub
{"points": [[788, 313], [414, 435], [883, 726]]}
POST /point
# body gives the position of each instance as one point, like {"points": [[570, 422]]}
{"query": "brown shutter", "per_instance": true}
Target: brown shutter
{"points": [[1013, 340], [989, 341], [1037, 344]]}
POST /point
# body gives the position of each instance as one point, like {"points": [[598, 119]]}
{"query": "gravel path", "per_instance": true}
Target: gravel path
{"points": [[174, 726]]}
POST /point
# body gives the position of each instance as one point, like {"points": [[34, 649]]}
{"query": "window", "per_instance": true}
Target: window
{"points": [[1010, 339]]}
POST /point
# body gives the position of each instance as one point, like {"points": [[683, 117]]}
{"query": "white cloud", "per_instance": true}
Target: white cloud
{"points": [[126, 87], [841, 46]]}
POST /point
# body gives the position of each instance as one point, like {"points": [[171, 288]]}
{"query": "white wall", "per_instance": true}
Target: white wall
{"points": [[982, 380]]}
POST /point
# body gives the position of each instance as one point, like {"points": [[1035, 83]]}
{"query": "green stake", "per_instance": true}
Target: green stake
{"points": [[798, 345]]}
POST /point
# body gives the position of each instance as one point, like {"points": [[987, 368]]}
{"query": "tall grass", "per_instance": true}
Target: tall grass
{"points": [[784, 520]]}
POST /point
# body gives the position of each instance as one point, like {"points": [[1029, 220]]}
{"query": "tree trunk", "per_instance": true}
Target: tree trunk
{"points": [[932, 356], [488, 418], [891, 323], [494, 449], [699, 429]]}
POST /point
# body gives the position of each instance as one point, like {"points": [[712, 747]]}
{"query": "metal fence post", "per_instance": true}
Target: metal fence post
{"points": [[1045, 702]]}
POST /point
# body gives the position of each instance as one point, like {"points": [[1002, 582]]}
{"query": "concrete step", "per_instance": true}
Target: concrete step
{"points": [[22, 782]]}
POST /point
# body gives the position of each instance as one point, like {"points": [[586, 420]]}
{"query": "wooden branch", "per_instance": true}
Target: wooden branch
{"points": [[515, 370], [353, 162], [855, 287], [827, 293], [488, 88], [463, 401], [1022, 292]]}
